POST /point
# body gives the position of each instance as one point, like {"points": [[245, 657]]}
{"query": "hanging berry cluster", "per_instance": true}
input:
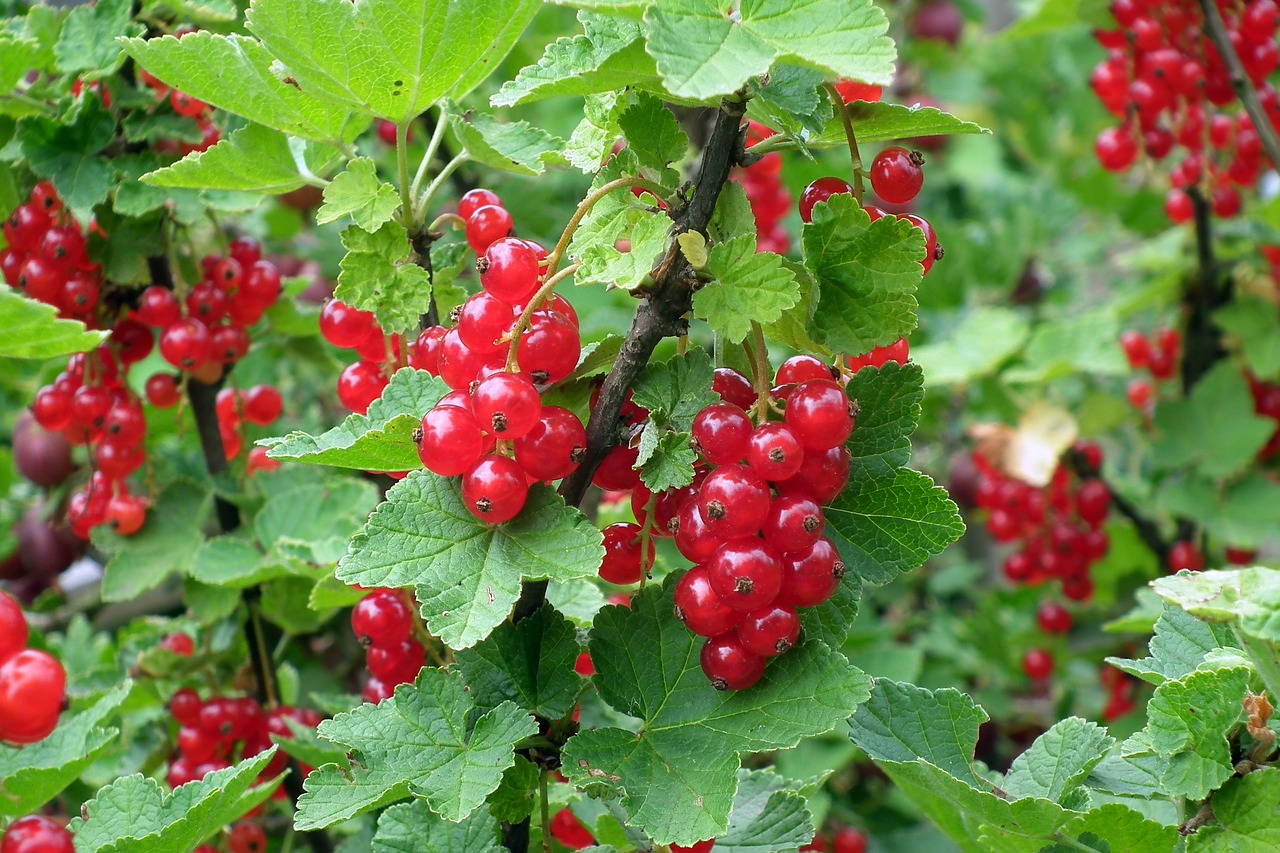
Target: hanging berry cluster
{"points": [[383, 623], [32, 682], [1158, 355], [362, 381], [215, 733], [770, 200], [1058, 528], [1168, 84]]}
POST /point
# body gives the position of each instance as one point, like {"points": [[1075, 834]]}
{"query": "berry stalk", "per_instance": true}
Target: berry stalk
{"points": [[1216, 29], [855, 156]]}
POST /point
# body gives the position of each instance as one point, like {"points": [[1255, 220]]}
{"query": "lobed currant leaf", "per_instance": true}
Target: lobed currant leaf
{"points": [[792, 102], [653, 133], [1222, 395], [888, 399], [1181, 643], [412, 828], [1258, 332], [1059, 761], [254, 159], [87, 44], [376, 275], [885, 122], [467, 572], [529, 663], [665, 459], [68, 154], [605, 264], [677, 775], [768, 816], [419, 743], [749, 286], [379, 440], [675, 390], [1248, 599], [1245, 815], [514, 146], [360, 194]]}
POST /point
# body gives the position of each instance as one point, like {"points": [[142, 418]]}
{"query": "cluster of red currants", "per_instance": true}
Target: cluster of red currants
{"points": [[1059, 527], [217, 732], [508, 341], [383, 623], [36, 834], [360, 382], [1159, 355], [32, 683], [844, 839], [1167, 82], [751, 521], [184, 105], [47, 257], [896, 177], [262, 406], [770, 200]]}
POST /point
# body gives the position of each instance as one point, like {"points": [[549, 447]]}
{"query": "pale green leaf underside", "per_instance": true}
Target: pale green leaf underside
{"points": [[30, 329]]}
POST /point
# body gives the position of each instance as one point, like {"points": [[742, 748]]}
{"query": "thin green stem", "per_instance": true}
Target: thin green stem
{"points": [[584, 207], [842, 110], [522, 322], [546, 812], [433, 145], [446, 219], [424, 200], [1265, 659], [408, 216], [646, 537], [760, 371]]}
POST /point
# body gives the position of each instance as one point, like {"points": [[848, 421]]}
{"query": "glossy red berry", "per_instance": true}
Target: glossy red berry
{"points": [[569, 831], [794, 524], [485, 226], [746, 573], [495, 489], [509, 271], [473, 200], [699, 608], [1184, 555], [847, 839], [823, 474], [359, 385], [623, 563], [733, 387], [896, 175], [774, 452], [52, 408], [344, 326], [549, 350], [483, 320], [1037, 664], [382, 618], [32, 688], [179, 643], [506, 405], [162, 390], [770, 630], [820, 414], [451, 441], [185, 707], [395, 663], [734, 501], [810, 577], [721, 433], [819, 191], [801, 368], [555, 445], [1053, 618], [186, 343], [13, 627], [728, 665], [262, 405], [36, 834]]}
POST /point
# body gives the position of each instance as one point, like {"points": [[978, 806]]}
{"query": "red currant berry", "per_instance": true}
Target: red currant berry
{"points": [[344, 326], [794, 524], [485, 226], [1093, 499], [774, 452], [734, 501], [1137, 350], [801, 368], [162, 390], [554, 447], [208, 303], [1235, 556], [549, 350], [495, 489], [1184, 555], [812, 577], [819, 191], [820, 414], [186, 343], [127, 514], [382, 618], [746, 573], [823, 475], [1037, 664], [359, 385], [396, 663], [483, 320], [896, 175], [509, 271], [570, 832], [32, 688], [699, 608], [262, 405], [1053, 618], [52, 408], [721, 433], [246, 838], [847, 839], [451, 441], [185, 706], [13, 627], [506, 404], [36, 834], [473, 200], [617, 472], [729, 666], [700, 847], [180, 644], [1116, 149], [733, 387], [770, 630], [694, 540], [622, 562]]}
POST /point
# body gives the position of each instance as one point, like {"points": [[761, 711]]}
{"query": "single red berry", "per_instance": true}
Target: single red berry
{"points": [[733, 387], [52, 408], [186, 343], [734, 501], [721, 433], [847, 839], [1053, 618], [185, 105], [794, 524], [693, 538], [344, 326], [622, 563], [262, 405], [570, 832], [395, 663], [506, 405], [1185, 555], [185, 706], [896, 175], [36, 834], [359, 385], [509, 271], [32, 689], [162, 390], [823, 474], [125, 424], [819, 191], [1093, 499], [549, 350], [1235, 556], [1137, 350], [700, 847], [485, 226], [746, 573], [774, 452], [246, 838], [554, 447], [473, 200], [810, 577], [180, 644], [1037, 664], [483, 320], [770, 630], [728, 665], [820, 414], [381, 618], [495, 489], [451, 441], [13, 627], [1116, 149], [699, 608], [208, 303], [617, 472], [801, 368], [1139, 393]]}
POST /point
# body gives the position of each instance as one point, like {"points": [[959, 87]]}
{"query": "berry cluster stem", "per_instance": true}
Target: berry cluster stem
{"points": [[584, 207], [522, 322], [760, 373], [842, 110], [1216, 29]]}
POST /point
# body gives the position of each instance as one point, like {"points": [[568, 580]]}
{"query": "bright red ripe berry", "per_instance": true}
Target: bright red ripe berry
{"points": [[32, 688], [127, 513], [1235, 556], [52, 408], [13, 627], [746, 573], [36, 834], [699, 608], [819, 412], [733, 387], [506, 405], [483, 320], [359, 385], [246, 838], [734, 501], [721, 433], [811, 577], [694, 540], [228, 344], [770, 630], [344, 326], [819, 191], [162, 390], [554, 447], [849, 840], [451, 441], [794, 524], [774, 452], [1184, 555], [1137, 350], [179, 643], [186, 343], [822, 475], [1037, 664], [473, 200], [262, 405], [700, 847], [728, 665], [569, 831], [801, 368], [622, 563], [896, 175], [1139, 393], [485, 226], [1053, 618], [185, 707], [617, 473], [495, 489], [381, 618], [1093, 499], [1116, 149], [208, 303], [509, 271], [395, 663], [549, 350], [185, 105], [852, 90]]}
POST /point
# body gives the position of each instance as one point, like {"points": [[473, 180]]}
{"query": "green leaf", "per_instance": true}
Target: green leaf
{"points": [[417, 743], [467, 572], [66, 154], [314, 519], [358, 193], [517, 795], [831, 620], [942, 728], [889, 401], [1072, 345], [608, 55], [1256, 327], [35, 774], [1222, 395], [136, 814], [515, 146], [529, 663], [1245, 816], [412, 828], [675, 390], [666, 462], [1178, 648], [231, 561], [1059, 760], [167, 543], [792, 101], [17, 58], [1050, 16], [975, 348], [1187, 725], [234, 73], [377, 275], [750, 286], [391, 59], [703, 53], [867, 273], [592, 140], [890, 524], [677, 776], [252, 159], [766, 816], [604, 264], [1114, 827], [87, 46], [653, 133], [34, 330], [448, 260], [884, 122], [1247, 598], [379, 440]]}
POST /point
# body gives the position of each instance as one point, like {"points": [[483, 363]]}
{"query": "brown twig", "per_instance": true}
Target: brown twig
{"points": [[1216, 29]]}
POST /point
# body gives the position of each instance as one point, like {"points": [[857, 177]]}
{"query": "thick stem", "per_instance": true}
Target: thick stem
{"points": [[1217, 32], [408, 215], [421, 241], [546, 812], [842, 110], [1205, 294]]}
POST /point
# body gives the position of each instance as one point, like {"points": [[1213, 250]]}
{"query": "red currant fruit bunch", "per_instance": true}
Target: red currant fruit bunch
{"points": [[383, 623], [1158, 354], [769, 199]]}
